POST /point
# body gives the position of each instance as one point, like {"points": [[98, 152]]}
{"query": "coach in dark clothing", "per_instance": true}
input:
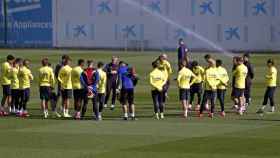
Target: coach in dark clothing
{"points": [[182, 52], [111, 70], [249, 78]]}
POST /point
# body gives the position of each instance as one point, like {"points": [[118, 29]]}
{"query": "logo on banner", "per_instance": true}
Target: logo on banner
{"points": [[15, 6], [260, 7], [79, 31], [232, 33], [104, 7], [155, 6], [206, 7], [129, 31]]}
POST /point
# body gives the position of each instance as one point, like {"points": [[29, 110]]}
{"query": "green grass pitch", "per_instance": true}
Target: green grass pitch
{"points": [[249, 136]]}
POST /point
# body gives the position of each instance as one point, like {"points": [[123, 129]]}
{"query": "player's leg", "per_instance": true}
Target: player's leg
{"points": [[203, 103], [95, 107], [101, 99], [161, 104], [247, 95], [131, 105], [123, 101], [114, 95], [13, 106], [182, 94], [108, 92], [155, 103], [212, 102], [66, 96], [85, 103], [192, 94], [271, 98], [26, 97], [265, 101], [6, 100], [43, 101]]}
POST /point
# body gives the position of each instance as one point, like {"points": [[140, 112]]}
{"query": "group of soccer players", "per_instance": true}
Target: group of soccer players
{"points": [[95, 82], [209, 83], [85, 82]]}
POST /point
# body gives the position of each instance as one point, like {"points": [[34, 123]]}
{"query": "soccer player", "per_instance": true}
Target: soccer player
{"points": [[271, 83], [6, 84], [185, 79], [15, 86], [90, 79], [211, 82], [127, 84], [235, 101], [101, 87], [112, 76], [196, 87], [64, 79], [167, 69], [25, 77], [249, 78], [46, 84], [78, 89], [55, 99], [182, 52], [221, 89], [157, 81], [239, 75]]}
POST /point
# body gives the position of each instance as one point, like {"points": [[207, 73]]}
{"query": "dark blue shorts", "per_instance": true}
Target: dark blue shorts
{"points": [[184, 94], [66, 93], [196, 88], [238, 93], [6, 90], [79, 94], [25, 94], [127, 96], [45, 92]]}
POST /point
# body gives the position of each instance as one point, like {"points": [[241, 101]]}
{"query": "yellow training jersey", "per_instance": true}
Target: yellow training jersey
{"points": [[223, 77], [101, 86], [199, 72], [46, 76], [157, 79], [167, 67], [14, 78], [240, 74], [5, 72], [76, 77], [64, 77], [211, 78], [271, 77], [185, 77], [25, 77]]}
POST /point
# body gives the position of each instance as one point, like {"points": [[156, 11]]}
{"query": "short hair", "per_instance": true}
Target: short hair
{"points": [[219, 62], [81, 61], [270, 61], [194, 63], [18, 60], [239, 59], [246, 55], [155, 63], [100, 64], [10, 57], [64, 56], [45, 61], [181, 39], [207, 56], [25, 61], [89, 62]]}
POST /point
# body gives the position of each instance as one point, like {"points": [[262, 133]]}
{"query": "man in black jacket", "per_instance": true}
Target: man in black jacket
{"points": [[249, 78]]}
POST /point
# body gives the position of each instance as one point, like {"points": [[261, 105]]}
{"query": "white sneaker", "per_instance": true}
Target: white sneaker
{"points": [[66, 115], [112, 107], [161, 116], [186, 114], [56, 114], [272, 109], [157, 116], [190, 107], [105, 105], [46, 114]]}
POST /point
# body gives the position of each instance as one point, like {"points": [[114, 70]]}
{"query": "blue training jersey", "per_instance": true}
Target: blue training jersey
{"points": [[125, 78]]}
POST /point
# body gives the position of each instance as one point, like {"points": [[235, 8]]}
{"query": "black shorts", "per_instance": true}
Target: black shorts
{"points": [[66, 93], [14, 93], [79, 93], [184, 94], [45, 93], [196, 88], [6, 90], [237, 92], [127, 96], [24, 94]]}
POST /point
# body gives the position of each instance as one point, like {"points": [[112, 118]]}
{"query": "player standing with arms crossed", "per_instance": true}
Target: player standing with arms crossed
{"points": [[222, 86], [249, 79], [46, 84], [101, 88], [25, 77], [64, 79]]}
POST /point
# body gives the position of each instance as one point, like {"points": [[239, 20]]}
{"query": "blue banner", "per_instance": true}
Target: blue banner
{"points": [[29, 23]]}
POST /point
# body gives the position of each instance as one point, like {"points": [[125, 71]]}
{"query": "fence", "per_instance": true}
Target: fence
{"points": [[231, 24]]}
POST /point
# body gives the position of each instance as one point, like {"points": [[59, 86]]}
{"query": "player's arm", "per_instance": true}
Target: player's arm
{"points": [[30, 75], [179, 77], [194, 78], [52, 78]]}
